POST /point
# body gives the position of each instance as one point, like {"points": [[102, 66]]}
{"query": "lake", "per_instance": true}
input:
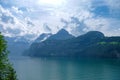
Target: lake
{"points": [[66, 69]]}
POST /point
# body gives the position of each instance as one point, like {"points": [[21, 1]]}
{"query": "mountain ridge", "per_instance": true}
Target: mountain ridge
{"points": [[61, 35], [42, 37], [92, 44]]}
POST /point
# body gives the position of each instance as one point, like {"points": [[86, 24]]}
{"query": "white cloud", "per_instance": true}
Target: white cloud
{"points": [[108, 26], [16, 10], [19, 28], [30, 17], [114, 4]]}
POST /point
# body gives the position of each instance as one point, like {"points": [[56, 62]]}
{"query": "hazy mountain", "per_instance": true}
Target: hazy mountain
{"points": [[17, 45], [91, 44]]}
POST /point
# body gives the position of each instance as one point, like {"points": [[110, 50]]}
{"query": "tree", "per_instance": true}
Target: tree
{"points": [[6, 70]]}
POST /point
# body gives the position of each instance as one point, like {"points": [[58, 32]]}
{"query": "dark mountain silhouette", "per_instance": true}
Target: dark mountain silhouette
{"points": [[61, 35], [92, 44]]}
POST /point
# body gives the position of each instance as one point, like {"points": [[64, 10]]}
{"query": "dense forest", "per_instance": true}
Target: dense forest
{"points": [[6, 70]]}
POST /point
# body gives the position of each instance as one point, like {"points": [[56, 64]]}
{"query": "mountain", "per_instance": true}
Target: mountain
{"points": [[42, 37], [92, 44], [61, 35], [17, 45]]}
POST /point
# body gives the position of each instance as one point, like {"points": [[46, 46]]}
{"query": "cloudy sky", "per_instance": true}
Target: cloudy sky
{"points": [[30, 18]]}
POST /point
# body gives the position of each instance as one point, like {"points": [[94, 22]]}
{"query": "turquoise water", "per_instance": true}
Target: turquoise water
{"points": [[66, 69]]}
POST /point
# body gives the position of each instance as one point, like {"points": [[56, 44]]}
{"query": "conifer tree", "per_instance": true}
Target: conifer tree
{"points": [[6, 70]]}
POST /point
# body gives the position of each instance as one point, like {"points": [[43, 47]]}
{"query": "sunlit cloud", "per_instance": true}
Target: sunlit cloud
{"points": [[29, 17]]}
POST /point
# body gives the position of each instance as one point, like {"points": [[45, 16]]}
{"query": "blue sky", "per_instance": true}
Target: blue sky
{"points": [[31, 18]]}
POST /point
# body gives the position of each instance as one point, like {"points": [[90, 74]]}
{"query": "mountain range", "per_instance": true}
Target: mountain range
{"points": [[62, 44]]}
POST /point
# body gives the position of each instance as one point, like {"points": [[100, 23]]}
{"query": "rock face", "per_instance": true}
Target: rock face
{"points": [[92, 44], [42, 37]]}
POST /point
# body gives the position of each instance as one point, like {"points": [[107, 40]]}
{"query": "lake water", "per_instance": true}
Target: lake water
{"points": [[66, 69]]}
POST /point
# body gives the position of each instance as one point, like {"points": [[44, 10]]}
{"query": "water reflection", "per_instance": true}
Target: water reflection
{"points": [[66, 69]]}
